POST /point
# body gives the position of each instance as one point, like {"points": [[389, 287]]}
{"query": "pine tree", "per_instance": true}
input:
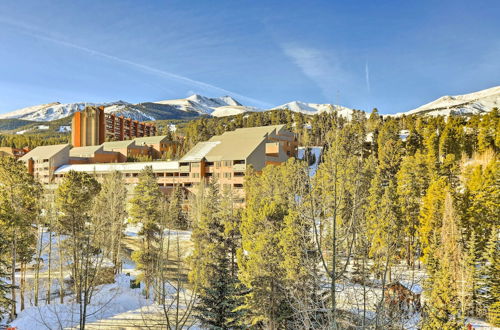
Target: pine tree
{"points": [[474, 263], [431, 217], [446, 309], [145, 210], [5, 302], [86, 235], [110, 205], [480, 198], [19, 208], [491, 273], [270, 199], [412, 184], [211, 265]]}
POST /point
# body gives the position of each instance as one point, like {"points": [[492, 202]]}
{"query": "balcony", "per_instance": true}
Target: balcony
{"points": [[239, 167]]}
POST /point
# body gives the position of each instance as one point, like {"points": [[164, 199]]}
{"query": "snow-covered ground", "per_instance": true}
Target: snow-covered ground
{"points": [[316, 152], [109, 300]]}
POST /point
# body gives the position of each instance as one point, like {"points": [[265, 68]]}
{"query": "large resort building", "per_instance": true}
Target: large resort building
{"points": [[224, 158], [93, 126]]}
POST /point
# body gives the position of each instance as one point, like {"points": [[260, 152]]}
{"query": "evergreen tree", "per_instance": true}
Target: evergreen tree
{"points": [[19, 207], [431, 217], [145, 210], [491, 272], [270, 199], [447, 302], [110, 205], [411, 186], [211, 265], [5, 302], [86, 235]]}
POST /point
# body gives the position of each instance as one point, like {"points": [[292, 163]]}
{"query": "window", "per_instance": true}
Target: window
{"points": [[195, 164], [170, 174], [227, 175], [184, 174], [227, 163], [195, 175], [238, 185], [160, 174], [209, 163], [208, 175], [239, 174], [217, 164], [236, 162], [187, 185]]}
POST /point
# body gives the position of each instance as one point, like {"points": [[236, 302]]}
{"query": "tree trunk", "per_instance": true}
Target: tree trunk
{"points": [[61, 274], [49, 273], [13, 311], [22, 284], [37, 270]]}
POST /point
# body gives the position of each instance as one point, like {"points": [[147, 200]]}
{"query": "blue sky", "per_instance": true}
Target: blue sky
{"points": [[393, 55]]}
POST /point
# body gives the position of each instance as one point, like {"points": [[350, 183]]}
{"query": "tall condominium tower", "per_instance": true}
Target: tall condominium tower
{"points": [[92, 127]]}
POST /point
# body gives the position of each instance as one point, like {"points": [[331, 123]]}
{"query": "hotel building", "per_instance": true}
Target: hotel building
{"points": [[225, 158], [93, 126]]}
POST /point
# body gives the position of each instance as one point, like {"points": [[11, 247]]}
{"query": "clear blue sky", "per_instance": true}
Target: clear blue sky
{"points": [[393, 55]]}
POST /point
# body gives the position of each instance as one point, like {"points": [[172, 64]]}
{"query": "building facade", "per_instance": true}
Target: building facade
{"points": [[43, 161], [93, 126], [224, 158]]}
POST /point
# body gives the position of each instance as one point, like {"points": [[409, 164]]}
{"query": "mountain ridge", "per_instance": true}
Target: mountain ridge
{"points": [[198, 105]]}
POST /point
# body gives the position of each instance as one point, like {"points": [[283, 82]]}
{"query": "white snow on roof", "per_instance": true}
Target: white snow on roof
{"points": [[199, 151], [122, 167]]}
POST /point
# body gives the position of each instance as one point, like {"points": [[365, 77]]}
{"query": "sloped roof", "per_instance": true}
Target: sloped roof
{"points": [[44, 152], [240, 143], [109, 146], [151, 139], [88, 151], [199, 151]]}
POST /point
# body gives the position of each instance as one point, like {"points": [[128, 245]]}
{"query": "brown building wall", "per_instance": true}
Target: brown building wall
{"points": [[92, 127]]}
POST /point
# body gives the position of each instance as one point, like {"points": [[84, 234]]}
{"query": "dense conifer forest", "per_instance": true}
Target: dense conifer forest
{"points": [[399, 227]]}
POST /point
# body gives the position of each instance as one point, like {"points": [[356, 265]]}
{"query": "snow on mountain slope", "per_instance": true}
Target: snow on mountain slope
{"points": [[128, 110], [196, 105], [231, 110], [466, 104], [206, 105], [45, 112], [51, 111], [315, 108]]}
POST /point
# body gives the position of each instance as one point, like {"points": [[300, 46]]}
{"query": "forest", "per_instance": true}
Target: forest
{"points": [[397, 227]]}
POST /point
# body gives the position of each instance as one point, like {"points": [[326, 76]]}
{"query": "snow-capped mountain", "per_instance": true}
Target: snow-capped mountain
{"points": [[209, 106], [46, 112], [314, 108], [196, 105], [466, 104]]}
